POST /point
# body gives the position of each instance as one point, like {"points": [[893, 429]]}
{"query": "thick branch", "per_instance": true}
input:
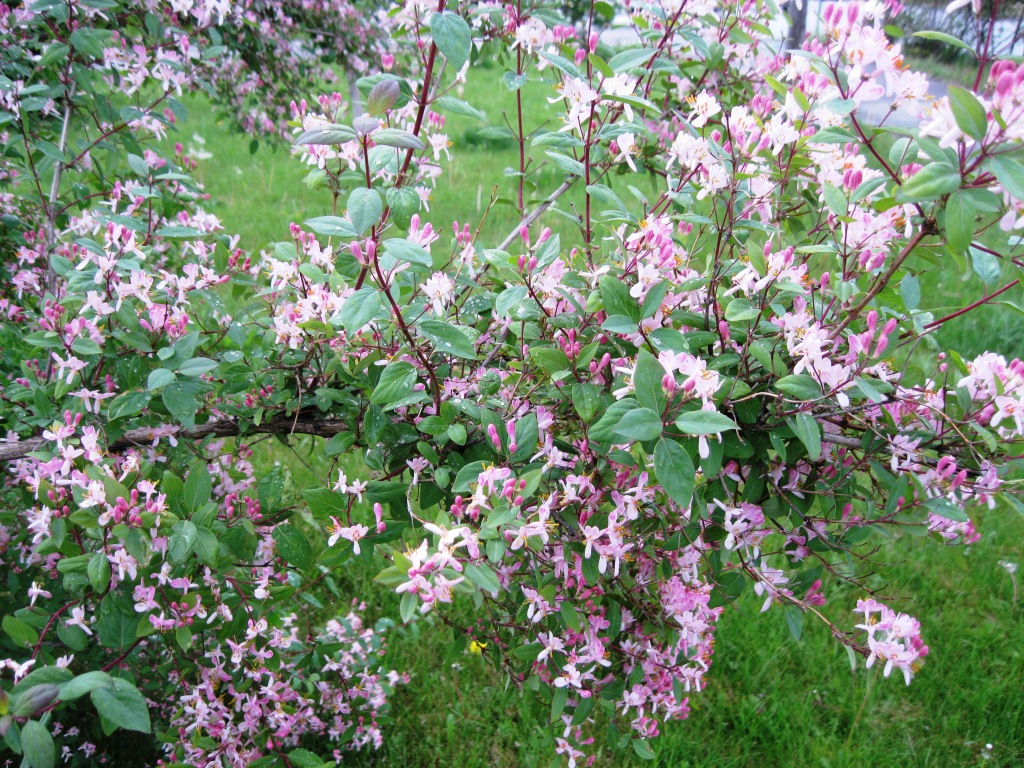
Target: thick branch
{"points": [[51, 208], [305, 424], [535, 214]]}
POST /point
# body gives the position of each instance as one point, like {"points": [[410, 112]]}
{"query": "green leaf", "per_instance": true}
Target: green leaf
{"points": [[561, 63], [396, 137], [90, 42], [968, 112], [605, 195], [452, 37], [128, 404], [326, 503], [806, 427], [54, 53], [50, 675], [117, 622], [403, 250], [360, 308], [303, 758], [986, 266], [197, 366], [183, 637], [643, 749], [795, 621], [183, 538], [198, 488], [382, 97], [513, 81], [570, 617], [567, 164], [944, 38], [647, 380], [930, 183], [293, 546], [85, 683], [457, 434], [1014, 502], [448, 339], [207, 546], [943, 507], [160, 378], [338, 444], [37, 745], [85, 346], [604, 430], [99, 572], [551, 359], [959, 221], [21, 633], [330, 226], [407, 608], [616, 298], [557, 140], [180, 400], [396, 382], [364, 209], [705, 423], [585, 399], [33, 698], [326, 135], [910, 291], [458, 107], [483, 577], [675, 471], [630, 59], [640, 424], [122, 706], [801, 387], [870, 391], [558, 701], [835, 199], [1009, 173]]}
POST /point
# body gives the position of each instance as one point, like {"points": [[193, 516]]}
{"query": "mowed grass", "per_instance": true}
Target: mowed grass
{"points": [[770, 701]]}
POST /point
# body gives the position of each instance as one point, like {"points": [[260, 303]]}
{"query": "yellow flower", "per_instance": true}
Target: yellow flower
{"points": [[476, 646]]}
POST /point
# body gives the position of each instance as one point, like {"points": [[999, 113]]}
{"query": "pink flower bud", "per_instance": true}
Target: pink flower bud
{"points": [[492, 432], [668, 384]]}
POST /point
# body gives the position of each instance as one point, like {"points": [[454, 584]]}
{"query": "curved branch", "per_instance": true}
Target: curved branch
{"points": [[304, 424]]}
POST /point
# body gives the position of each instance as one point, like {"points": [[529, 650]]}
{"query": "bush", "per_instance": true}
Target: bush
{"points": [[574, 447]]}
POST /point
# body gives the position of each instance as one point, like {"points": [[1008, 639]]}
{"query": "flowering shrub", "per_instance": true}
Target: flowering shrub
{"points": [[595, 447]]}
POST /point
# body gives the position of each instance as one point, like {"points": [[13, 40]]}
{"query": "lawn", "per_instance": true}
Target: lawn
{"points": [[771, 701]]}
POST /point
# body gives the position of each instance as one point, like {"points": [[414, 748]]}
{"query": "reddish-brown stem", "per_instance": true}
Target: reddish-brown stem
{"points": [[969, 307], [428, 76], [882, 280], [49, 626], [123, 656]]}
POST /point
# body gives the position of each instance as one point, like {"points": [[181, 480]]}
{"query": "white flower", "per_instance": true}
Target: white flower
{"points": [[439, 288]]}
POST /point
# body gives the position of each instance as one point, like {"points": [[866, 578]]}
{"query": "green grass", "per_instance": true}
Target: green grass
{"points": [[770, 701], [957, 72]]}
